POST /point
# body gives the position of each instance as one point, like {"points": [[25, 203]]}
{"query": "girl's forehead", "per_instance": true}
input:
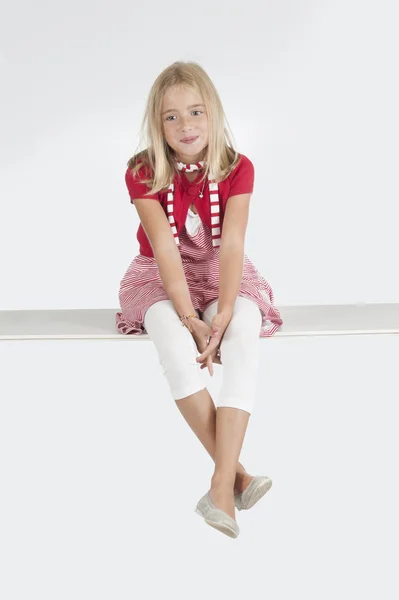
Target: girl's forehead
{"points": [[182, 93]]}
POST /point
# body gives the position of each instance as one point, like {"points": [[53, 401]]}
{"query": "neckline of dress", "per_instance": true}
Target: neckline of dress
{"points": [[195, 181]]}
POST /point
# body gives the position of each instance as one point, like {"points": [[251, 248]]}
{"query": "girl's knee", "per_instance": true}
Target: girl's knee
{"points": [[246, 317], [184, 376]]}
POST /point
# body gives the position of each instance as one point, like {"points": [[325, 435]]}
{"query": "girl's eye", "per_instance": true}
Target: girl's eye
{"points": [[197, 111]]}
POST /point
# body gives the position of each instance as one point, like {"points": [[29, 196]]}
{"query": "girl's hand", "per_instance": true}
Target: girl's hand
{"points": [[216, 358], [219, 325], [201, 333]]}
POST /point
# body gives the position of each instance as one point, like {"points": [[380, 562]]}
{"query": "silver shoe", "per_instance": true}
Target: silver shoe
{"points": [[258, 487], [216, 517]]}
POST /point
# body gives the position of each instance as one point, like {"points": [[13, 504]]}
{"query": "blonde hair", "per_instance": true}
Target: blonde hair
{"points": [[221, 157]]}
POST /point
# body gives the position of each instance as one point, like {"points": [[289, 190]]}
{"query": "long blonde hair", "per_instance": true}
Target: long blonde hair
{"points": [[221, 157]]}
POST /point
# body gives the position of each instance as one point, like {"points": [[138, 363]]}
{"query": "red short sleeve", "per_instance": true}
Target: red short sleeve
{"points": [[137, 189], [242, 177]]}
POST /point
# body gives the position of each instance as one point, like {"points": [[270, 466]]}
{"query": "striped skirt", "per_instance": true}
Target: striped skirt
{"points": [[142, 286]]}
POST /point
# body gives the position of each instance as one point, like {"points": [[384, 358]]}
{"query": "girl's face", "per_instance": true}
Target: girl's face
{"points": [[184, 116]]}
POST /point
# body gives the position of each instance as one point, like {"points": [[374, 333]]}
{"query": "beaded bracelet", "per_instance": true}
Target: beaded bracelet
{"points": [[188, 317]]}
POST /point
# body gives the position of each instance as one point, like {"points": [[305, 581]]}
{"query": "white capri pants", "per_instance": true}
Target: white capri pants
{"points": [[239, 351]]}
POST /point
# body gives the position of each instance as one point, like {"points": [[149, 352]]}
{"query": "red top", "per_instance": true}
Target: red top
{"points": [[240, 181]]}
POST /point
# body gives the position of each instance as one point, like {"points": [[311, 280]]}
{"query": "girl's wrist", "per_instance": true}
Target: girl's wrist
{"points": [[189, 320], [226, 312]]}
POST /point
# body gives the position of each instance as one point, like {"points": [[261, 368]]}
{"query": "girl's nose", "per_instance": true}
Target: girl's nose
{"points": [[185, 122]]}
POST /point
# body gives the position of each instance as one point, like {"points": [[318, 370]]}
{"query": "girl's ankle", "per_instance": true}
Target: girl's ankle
{"points": [[242, 481], [222, 481]]}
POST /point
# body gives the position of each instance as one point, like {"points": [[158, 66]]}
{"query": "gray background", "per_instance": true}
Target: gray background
{"points": [[99, 473]]}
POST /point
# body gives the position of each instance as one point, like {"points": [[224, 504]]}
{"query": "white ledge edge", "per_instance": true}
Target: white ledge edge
{"points": [[99, 324]]}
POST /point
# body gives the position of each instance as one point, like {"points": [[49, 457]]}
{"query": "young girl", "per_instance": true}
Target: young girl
{"points": [[192, 288]]}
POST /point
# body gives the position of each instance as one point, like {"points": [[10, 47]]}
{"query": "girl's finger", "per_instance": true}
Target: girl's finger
{"points": [[206, 353], [210, 365], [204, 366]]}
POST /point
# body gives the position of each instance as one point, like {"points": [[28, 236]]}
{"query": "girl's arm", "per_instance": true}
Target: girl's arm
{"points": [[166, 253], [231, 253], [231, 265], [174, 280]]}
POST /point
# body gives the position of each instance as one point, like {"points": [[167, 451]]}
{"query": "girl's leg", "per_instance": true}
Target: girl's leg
{"points": [[177, 352], [240, 359], [176, 349], [200, 413]]}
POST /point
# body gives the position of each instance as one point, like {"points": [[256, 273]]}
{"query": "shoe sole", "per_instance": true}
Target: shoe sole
{"points": [[257, 494], [219, 526]]}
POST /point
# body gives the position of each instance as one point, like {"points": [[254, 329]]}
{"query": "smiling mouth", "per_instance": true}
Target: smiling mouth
{"points": [[190, 139]]}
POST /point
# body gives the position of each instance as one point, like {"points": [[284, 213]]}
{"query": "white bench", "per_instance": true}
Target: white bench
{"points": [[90, 323]]}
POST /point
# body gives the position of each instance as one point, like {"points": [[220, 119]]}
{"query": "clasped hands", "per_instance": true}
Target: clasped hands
{"points": [[209, 352]]}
